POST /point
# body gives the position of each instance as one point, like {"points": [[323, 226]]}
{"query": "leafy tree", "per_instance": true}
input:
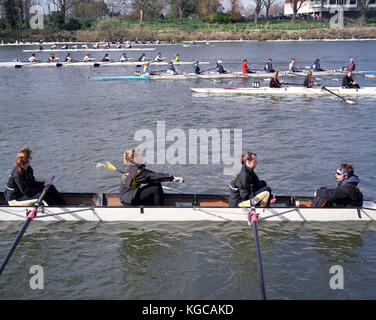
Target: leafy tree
{"points": [[57, 19]]}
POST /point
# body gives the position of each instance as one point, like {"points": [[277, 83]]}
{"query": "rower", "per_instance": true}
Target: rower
{"points": [[348, 82], [307, 81], [124, 58], [142, 58], [274, 82], [177, 58], [105, 58], [197, 69], [65, 46], [75, 46], [245, 67], [171, 69], [292, 67], [159, 58], [118, 45], [51, 58], [193, 43], [87, 58], [219, 67], [147, 70], [68, 58], [351, 66], [32, 59], [131, 192], [84, 47], [316, 66], [269, 67], [128, 44]]}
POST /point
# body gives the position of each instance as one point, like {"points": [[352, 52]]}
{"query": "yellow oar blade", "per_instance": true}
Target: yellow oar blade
{"points": [[110, 166]]}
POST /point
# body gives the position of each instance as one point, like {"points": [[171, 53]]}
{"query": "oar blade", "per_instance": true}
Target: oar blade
{"points": [[110, 166]]}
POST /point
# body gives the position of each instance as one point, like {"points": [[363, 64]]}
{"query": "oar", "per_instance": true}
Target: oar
{"points": [[252, 220], [208, 69], [337, 95], [291, 84], [109, 166], [31, 215], [302, 75]]}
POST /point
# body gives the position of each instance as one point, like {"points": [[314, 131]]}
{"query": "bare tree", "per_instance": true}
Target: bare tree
{"points": [[181, 5], [62, 5], [296, 5], [140, 6], [259, 5], [268, 4]]}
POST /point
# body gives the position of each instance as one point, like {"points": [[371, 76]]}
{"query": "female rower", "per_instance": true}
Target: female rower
{"points": [[131, 192], [307, 81], [348, 82], [51, 58], [347, 193], [245, 67], [274, 82], [316, 66], [68, 58], [196, 69], [32, 59], [292, 67], [22, 189], [220, 68], [171, 69], [177, 58], [247, 184]]}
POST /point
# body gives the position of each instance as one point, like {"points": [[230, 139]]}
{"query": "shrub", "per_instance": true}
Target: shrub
{"points": [[220, 17]]}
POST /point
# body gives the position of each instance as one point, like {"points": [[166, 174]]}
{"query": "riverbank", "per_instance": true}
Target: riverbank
{"points": [[171, 30]]}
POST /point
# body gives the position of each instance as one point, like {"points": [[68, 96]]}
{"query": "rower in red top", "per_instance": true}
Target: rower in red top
{"points": [[51, 58], [245, 67], [307, 81], [351, 66], [274, 82]]}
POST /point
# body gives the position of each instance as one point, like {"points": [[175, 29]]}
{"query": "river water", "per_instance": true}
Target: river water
{"points": [[72, 124]]}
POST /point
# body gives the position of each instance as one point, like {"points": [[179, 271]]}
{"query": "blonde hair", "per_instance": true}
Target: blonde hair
{"points": [[129, 157]]}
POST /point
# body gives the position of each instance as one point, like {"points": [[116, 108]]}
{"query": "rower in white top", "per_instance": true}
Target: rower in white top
{"points": [[292, 67], [159, 58], [124, 58], [32, 59], [87, 58]]}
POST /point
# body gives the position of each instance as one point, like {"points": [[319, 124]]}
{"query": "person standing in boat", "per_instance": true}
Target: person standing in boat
{"points": [[308, 80], [347, 193], [22, 189], [274, 82], [269, 67], [316, 66], [348, 82], [246, 183], [131, 192]]}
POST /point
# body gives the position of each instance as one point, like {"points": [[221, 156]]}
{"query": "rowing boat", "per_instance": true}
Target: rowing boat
{"points": [[326, 73], [366, 91], [89, 49], [165, 76], [184, 207], [90, 64]]}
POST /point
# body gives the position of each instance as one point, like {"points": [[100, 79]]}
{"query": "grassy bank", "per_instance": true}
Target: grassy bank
{"points": [[171, 30]]}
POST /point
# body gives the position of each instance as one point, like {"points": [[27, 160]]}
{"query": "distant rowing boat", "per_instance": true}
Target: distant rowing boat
{"points": [[90, 64], [89, 49], [185, 207], [165, 76], [366, 91], [262, 74]]}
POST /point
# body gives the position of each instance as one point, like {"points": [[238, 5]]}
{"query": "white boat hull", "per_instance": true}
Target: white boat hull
{"points": [[180, 214], [366, 91], [90, 64], [89, 49]]}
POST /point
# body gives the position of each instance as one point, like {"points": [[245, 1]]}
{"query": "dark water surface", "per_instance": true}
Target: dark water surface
{"points": [[72, 123]]}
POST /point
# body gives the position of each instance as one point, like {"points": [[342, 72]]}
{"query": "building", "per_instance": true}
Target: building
{"points": [[313, 7]]}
